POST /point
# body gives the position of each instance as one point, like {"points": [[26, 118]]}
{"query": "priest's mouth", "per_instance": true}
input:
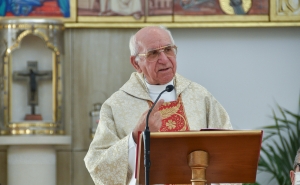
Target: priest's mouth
{"points": [[165, 69]]}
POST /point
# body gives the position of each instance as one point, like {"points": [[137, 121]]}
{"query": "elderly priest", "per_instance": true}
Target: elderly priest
{"points": [[111, 156]]}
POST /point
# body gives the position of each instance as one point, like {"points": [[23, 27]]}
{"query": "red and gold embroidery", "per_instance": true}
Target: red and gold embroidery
{"points": [[173, 117]]}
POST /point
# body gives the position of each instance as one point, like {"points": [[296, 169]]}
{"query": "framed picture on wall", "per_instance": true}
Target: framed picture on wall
{"points": [[160, 11], [221, 10], [64, 10], [285, 10], [126, 11]]}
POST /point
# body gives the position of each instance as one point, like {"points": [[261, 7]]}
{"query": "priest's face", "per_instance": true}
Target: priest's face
{"points": [[156, 58]]}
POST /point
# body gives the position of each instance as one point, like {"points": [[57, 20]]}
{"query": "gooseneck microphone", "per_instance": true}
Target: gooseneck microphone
{"points": [[146, 136]]}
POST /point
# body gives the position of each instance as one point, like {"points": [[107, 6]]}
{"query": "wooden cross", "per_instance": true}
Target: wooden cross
{"points": [[32, 75]]}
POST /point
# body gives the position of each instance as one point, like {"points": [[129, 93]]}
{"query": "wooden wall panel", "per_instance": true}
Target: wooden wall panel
{"points": [[81, 175], [96, 65], [100, 66], [3, 167], [64, 168]]}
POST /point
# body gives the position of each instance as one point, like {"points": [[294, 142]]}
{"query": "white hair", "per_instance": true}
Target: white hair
{"points": [[134, 44]]}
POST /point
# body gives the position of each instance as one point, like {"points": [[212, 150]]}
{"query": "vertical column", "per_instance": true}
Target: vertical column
{"points": [[31, 164], [198, 161]]}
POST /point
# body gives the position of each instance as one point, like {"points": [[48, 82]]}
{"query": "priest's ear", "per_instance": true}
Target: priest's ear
{"points": [[134, 60]]}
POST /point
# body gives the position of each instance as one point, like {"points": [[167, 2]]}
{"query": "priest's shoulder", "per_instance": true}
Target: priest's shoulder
{"points": [[197, 88]]}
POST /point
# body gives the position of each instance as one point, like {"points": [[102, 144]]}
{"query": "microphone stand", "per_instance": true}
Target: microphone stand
{"points": [[146, 136]]}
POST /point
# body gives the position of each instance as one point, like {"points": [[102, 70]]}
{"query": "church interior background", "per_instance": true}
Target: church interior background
{"points": [[94, 63]]}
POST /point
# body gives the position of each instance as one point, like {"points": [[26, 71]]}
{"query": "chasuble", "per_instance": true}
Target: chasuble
{"points": [[195, 108]]}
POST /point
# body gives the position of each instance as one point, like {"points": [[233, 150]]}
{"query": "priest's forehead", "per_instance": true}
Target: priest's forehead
{"points": [[153, 37]]}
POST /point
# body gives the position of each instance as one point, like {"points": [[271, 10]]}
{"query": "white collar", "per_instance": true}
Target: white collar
{"points": [[155, 90], [158, 88]]}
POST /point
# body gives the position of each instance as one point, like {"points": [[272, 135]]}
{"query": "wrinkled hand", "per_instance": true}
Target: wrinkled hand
{"points": [[154, 121]]}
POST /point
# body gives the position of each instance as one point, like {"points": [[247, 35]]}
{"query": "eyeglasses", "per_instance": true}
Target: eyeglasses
{"points": [[169, 51]]}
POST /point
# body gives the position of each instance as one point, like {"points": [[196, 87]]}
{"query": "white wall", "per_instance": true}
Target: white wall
{"points": [[248, 70]]}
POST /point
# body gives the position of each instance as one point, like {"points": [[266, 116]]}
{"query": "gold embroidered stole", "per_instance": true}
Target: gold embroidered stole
{"points": [[173, 116]]}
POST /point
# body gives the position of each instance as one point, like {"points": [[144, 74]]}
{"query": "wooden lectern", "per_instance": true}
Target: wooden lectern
{"points": [[200, 157]]}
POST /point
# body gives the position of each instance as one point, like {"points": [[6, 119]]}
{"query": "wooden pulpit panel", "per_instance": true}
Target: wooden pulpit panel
{"points": [[232, 156]]}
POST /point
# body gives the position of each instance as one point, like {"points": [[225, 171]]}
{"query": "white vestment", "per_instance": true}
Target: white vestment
{"points": [[107, 158]]}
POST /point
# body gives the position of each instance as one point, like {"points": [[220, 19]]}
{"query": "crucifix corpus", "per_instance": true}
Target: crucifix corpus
{"points": [[32, 75]]}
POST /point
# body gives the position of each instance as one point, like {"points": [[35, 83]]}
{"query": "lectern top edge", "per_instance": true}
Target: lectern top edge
{"points": [[204, 133]]}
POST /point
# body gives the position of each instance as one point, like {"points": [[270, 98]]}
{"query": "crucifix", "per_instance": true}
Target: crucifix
{"points": [[32, 75]]}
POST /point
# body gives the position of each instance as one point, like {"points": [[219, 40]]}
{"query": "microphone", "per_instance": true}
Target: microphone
{"points": [[146, 135]]}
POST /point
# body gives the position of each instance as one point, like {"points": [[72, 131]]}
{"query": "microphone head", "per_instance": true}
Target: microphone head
{"points": [[169, 88]]}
